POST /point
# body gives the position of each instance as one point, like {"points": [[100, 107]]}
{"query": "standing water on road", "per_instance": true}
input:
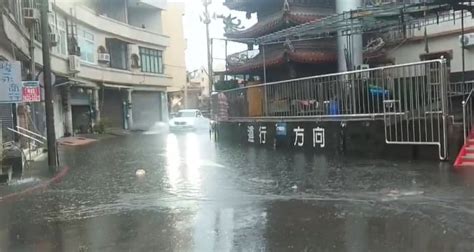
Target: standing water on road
{"points": [[198, 195]]}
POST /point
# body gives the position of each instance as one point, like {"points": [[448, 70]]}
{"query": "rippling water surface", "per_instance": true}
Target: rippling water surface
{"points": [[197, 195]]}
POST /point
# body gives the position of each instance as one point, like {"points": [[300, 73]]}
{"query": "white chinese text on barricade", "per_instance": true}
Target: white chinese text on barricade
{"points": [[299, 136], [10, 82], [319, 137], [250, 134], [263, 134]]}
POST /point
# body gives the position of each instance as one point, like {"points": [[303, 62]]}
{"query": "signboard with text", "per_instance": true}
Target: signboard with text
{"points": [[31, 91], [10, 82]]}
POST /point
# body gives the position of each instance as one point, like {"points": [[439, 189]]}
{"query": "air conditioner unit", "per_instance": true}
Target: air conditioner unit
{"points": [[53, 39], [133, 50], [467, 40], [31, 15], [74, 64], [104, 57]]}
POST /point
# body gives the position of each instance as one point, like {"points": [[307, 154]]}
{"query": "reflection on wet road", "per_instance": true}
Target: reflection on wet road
{"points": [[201, 196]]}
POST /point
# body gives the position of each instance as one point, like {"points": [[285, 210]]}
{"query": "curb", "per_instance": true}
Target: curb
{"points": [[43, 186]]}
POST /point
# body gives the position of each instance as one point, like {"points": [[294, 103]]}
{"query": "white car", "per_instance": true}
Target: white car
{"points": [[188, 119]]}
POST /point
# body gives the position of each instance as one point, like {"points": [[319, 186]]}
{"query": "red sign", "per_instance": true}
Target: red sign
{"points": [[31, 91]]}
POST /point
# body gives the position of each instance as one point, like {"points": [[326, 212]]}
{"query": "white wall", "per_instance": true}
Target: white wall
{"points": [[442, 37], [174, 55], [411, 51], [150, 19], [112, 28]]}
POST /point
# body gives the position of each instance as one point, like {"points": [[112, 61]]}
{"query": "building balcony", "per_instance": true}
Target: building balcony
{"points": [[113, 28], [103, 74], [14, 33]]}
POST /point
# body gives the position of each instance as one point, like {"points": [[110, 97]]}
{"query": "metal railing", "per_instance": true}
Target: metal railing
{"points": [[349, 95], [411, 99], [457, 92], [241, 58], [460, 88], [467, 111]]}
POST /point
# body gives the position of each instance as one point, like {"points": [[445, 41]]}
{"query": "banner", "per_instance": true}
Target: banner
{"points": [[10, 82], [31, 91]]}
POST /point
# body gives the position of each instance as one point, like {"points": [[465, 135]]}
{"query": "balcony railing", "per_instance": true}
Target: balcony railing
{"points": [[241, 58]]}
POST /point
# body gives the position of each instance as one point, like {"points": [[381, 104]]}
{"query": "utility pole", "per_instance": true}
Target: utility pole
{"points": [[207, 20], [48, 88], [186, 95]]}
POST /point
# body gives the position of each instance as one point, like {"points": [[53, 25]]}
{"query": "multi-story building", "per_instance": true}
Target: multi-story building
{"points": [[108, 58], [175, 57], [194, 94], [282, 60]]}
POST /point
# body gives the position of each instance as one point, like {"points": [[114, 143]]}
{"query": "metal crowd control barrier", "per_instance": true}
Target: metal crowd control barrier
{"points": [[467, 115], [411, 99]]}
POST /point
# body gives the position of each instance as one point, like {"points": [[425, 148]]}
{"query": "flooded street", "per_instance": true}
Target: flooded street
{"points": [[197, 195]]}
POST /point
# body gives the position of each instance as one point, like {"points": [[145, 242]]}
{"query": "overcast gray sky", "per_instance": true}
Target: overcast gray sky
{"points": [[195, 33]]}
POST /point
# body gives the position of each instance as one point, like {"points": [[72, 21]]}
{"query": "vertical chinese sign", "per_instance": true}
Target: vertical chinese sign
{"points": [[31, 91], [10, 82]]}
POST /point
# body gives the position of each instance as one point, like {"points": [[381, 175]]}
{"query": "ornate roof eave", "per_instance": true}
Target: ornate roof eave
{"points": [[281, 20], [280, 58]]}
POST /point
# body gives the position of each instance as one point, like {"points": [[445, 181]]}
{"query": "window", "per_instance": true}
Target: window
{"points": [[58, 26], [151, 60], [118, 53], [87, 45]]}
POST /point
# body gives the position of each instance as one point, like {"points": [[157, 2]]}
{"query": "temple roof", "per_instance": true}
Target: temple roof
{"points": [[258, 5], [276, 22], [303, 56], [277, 58]]}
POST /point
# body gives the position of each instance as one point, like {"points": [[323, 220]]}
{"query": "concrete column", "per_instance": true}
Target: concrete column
{"points": [[129, 109], [68, 111], [355, 46], [95, 95]]}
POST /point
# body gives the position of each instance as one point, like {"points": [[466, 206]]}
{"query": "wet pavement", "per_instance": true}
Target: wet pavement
{"points": [[197, 195]]}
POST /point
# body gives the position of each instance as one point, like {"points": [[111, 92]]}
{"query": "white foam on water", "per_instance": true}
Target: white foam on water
{"points": [[23, 181], [158, 128]]}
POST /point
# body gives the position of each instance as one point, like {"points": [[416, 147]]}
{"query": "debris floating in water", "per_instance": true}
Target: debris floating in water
{"points": [[140, 173]]}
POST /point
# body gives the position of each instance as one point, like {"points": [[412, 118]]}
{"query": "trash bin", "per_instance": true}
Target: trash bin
{"points": [[333, 108]]}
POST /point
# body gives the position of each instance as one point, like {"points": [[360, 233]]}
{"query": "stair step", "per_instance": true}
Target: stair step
{"points": [[468, 157], [466, 164], [465, 158], [470, 149]]}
